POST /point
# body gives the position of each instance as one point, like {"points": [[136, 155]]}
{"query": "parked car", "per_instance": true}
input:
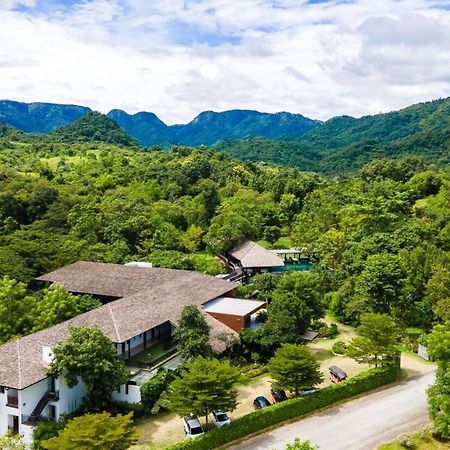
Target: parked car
{"points": [[261, 402], [220, 418], [278, 395], [308, 392], [192, 426], [337, 375]]}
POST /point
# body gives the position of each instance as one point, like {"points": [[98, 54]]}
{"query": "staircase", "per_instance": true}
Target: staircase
{"points": [[37, 411]]}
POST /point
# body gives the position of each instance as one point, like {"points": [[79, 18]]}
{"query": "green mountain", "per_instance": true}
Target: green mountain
{"points": [[345, 143], [39, 117], [93, 127], [210, 127], [207, 128], [145, 127]]}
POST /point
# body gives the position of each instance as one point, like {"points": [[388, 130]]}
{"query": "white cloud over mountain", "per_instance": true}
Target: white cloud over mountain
{"points": [[177, 58]]}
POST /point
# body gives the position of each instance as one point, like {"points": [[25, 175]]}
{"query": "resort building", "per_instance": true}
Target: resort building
{"points": [[249, 258], [141, 308]]}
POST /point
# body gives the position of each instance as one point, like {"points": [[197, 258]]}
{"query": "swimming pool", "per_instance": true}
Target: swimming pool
{"points": [[296, 267]]}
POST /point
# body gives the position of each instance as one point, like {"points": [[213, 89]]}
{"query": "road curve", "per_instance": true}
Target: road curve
{"points": [[360, 424]]}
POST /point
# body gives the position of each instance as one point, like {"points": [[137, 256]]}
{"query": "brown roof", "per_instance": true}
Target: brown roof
{"points": [[251, 254], [164, 294]]}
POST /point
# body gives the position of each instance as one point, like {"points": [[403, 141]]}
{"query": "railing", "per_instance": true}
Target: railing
{"points": [[12, 402]]}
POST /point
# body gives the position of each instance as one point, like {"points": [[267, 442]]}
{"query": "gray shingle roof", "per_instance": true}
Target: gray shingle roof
{"points": [[151, 297], [251, 254]]}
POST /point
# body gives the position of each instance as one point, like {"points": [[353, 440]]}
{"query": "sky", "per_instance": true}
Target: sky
{"points": [[177, 58]]}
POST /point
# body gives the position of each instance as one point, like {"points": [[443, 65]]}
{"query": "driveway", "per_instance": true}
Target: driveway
{"points": [[360, 424]]}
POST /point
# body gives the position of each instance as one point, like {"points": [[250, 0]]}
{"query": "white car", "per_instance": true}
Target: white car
{"points": [[192, 426], [220, 418]]}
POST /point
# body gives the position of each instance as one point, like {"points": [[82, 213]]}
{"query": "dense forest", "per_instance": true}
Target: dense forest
{"points": [[344, 143], [379, 238]]}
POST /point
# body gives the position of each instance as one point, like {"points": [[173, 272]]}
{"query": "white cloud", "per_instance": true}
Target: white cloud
{"points": [[177, 58]]}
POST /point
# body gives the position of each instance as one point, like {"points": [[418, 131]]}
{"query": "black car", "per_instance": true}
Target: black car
{"points": [[278, 395], [261, 402]]}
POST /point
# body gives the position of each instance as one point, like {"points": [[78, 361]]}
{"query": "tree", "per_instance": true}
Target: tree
{"points": [[204, 385], [16, 309], [376, 340], [381, 283], [439, 393], [227, 230], [301, 445], [11, 442], [95, 432], [294, 368], [192, 334], [87, 353], [58, 305], [296, 301]]}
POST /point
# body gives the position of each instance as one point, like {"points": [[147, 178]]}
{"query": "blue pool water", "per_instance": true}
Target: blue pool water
{"points": [[297, 267]]}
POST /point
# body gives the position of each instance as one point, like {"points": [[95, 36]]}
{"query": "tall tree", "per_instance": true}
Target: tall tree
{"points": [[95, 432], [376, 340], [58, 305], [16, 309], [294, 368], [88, 354], [192, 334], [204, 385], [296, 301]]}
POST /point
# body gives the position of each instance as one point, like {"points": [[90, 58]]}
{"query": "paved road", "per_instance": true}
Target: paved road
{"points": [[360, 424]]}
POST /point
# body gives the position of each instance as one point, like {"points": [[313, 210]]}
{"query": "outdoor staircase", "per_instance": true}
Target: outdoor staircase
{"points": [[37, 411]]}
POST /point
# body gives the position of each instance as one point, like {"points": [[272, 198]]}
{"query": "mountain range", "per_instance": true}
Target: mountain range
{"points": [[339, 145], [207, 128]]}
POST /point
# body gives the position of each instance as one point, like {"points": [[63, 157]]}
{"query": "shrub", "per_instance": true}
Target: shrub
{"points": [[47, 430], [324, 330], [151, 390], [339, 348], [407, 442], [295, 407]]}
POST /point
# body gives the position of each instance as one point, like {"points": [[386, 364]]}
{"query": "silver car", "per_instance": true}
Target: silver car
{"points": [[220, 418], [192, 426]]}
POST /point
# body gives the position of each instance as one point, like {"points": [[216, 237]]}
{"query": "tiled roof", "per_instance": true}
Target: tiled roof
{"points": [[250, 254], [163, 294]]}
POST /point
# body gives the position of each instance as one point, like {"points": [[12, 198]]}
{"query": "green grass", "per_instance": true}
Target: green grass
{"points": [[421, 441], [153, 352]]}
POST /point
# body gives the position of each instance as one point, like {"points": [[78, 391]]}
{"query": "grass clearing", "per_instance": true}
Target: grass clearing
{"points": [[419, 441]]}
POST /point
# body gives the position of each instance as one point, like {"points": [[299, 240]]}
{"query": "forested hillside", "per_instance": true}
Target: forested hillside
{"points": [[39, 117], [380, 240], [206, 129], [345, 143]]}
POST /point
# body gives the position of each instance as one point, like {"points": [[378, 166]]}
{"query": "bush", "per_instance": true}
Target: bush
{"points": [[47, 430], [289, 409], [324, 330], [339, 348], [151, 390], [124, 408], [407, 442], [253, 370]]}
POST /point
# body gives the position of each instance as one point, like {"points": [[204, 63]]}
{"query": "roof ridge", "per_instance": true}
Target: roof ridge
{"points": [[19, 368], [114, 322]]}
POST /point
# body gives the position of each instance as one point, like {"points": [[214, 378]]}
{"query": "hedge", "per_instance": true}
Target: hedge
{"points": [[289, 409]]}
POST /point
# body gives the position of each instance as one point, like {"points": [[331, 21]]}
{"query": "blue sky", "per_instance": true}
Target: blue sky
{"points": [[179, 57]]}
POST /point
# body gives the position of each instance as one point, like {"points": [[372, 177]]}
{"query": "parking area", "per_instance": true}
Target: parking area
{"points": [[167, 428]]}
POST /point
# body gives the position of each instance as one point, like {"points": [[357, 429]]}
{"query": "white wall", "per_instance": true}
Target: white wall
{"points": [[133, 396]]}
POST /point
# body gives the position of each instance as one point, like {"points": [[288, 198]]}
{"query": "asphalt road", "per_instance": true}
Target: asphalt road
{"points": [[361, 424]]}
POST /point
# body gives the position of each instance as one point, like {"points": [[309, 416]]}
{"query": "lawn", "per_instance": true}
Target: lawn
{"points": [[150, 353], [419, 441]]}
